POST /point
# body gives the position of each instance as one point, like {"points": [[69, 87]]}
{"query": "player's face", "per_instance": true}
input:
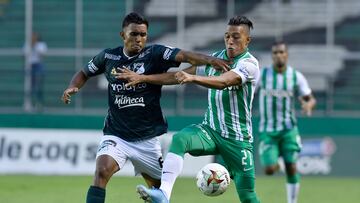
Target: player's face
{"points": [[279, 55], [134, 36], [236, 39]]}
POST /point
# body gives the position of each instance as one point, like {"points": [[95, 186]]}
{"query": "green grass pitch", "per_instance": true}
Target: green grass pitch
{"points": [[72, 189]]}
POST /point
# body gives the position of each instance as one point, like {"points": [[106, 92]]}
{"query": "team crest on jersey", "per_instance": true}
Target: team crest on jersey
{"points": [[138, 68]]}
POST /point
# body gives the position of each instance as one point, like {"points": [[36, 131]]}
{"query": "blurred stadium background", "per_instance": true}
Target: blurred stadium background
{"points": [[324, 44]]}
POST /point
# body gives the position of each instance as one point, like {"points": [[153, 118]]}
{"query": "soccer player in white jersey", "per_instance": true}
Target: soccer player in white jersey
{"points": [[227, 127], [279, 136]]}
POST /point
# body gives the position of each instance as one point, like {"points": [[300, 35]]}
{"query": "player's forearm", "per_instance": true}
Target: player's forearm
{"points": [[212, 82], [160, 79], [194, 58], [166, 78], [78, 80]]}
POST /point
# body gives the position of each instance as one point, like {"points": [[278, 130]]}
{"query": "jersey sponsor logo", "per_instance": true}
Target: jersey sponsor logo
{"points": [[92, 67], [124, 101], [122, 87], [144, 53], [167, 53], [278, 93], [112, 57]]}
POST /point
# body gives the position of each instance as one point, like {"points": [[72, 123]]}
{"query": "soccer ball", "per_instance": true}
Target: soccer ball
{"points": [[213, 179]]}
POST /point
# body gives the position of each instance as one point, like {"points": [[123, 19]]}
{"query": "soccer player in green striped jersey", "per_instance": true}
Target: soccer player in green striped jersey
{"points": [[279, 136], [227, 128]]}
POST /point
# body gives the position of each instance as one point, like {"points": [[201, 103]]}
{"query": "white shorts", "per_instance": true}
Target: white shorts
{"points": [[145, 155]]}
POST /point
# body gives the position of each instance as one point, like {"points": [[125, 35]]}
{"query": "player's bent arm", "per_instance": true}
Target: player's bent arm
{"points": [[157, 79], [78, 80], [215, 82], [167, 78], [197, 59]]}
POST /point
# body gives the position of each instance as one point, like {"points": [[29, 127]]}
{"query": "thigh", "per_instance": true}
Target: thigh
{"points": [[114, 147], [239, 161], [268, 150], [147, 158], [238, 156], [290, 146], [195, 140]]}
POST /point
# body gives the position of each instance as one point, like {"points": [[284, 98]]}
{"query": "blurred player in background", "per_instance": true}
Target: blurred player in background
{"points": [[227, 127], [38, 51], [134, 119], [279, 135]]}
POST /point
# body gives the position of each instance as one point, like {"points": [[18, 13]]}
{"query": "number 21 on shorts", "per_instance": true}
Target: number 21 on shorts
{"points": [[246, 160]]}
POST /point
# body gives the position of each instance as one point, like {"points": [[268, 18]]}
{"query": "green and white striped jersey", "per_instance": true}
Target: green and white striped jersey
{"points": [[277, 95], [229, 110]]}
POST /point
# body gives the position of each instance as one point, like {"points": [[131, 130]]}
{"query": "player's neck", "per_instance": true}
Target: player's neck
{"points": [[128, 54], [280, 69], [233, 56]]}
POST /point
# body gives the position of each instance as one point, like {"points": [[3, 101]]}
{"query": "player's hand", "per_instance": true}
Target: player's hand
{"points": [[130, 76], [220, 64], [306, 108], [67, 94], [183, 77]]}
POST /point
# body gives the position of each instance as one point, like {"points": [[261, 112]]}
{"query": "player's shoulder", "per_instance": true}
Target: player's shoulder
{"points": [[112, 53], [249, 58], [295, 71], [158, 46]]}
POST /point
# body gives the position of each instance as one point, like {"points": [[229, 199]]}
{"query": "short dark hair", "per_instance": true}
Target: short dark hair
{"points": [[279, 42], [241, 20], [134, 18]]}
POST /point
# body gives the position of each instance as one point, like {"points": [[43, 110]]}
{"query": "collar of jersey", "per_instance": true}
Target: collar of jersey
{"points": [[287, 68], [128, 57], [236, 57]]}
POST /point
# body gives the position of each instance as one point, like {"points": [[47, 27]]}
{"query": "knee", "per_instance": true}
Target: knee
{"points": [[248, 196], [290, 169], [103, 173], [270, 170], [179, 144]]}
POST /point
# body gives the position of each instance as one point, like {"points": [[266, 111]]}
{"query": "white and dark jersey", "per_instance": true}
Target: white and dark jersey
{"points": [[134, 113], [277, 95], [229, 110]]}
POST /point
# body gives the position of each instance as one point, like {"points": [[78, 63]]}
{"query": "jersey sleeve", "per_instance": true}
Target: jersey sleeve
{"points": [[165, 57], [303, 85], [96, 65], [248, 70], [200, 70]]}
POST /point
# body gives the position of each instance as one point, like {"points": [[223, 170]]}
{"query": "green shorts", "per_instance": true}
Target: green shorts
{"points": [[286, 144], [199, 140]]}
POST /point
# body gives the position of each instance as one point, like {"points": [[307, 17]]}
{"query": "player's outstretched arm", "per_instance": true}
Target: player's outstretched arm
{"points": [[215, 82], [197, 59], [308, 103], [167, 78], [78, 80]]}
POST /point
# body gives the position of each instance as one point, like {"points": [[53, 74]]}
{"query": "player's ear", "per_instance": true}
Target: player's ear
{"points": [[122, 35], [248, 40]]}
